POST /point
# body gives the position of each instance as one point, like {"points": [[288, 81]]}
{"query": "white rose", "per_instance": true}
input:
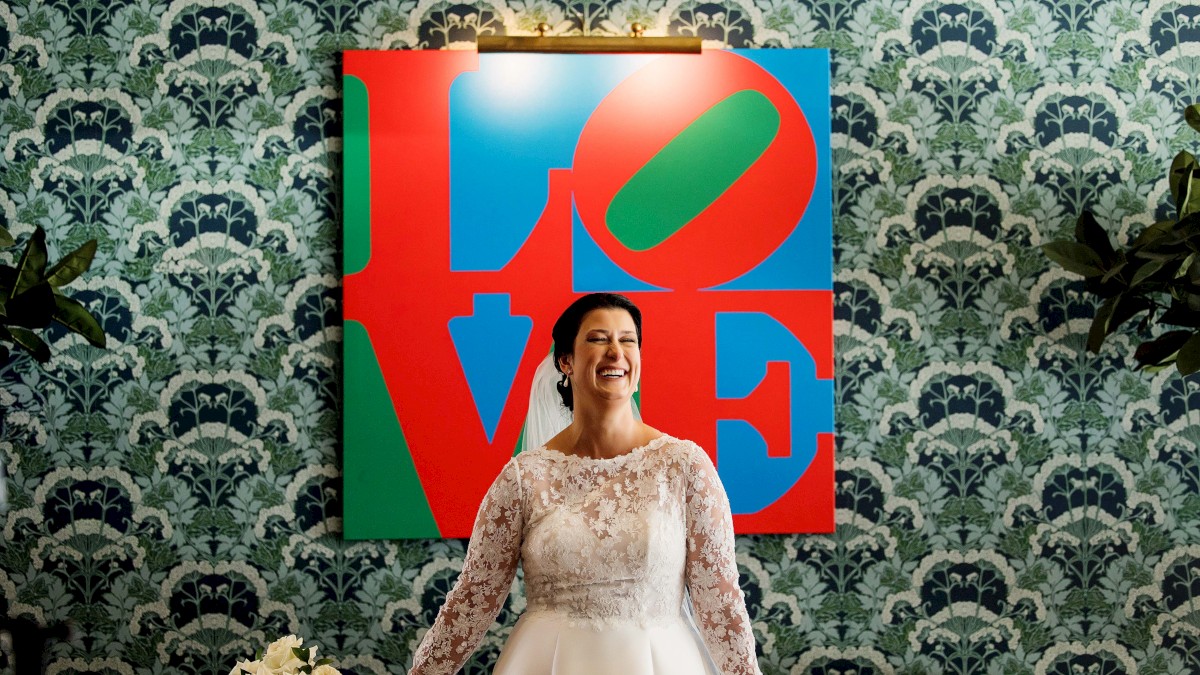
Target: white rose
{"points": [[251, 667], [242, 667], [325, 670], [279, 657]]}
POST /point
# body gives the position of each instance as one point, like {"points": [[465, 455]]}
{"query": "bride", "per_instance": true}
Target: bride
{"points": [[615, 524]]}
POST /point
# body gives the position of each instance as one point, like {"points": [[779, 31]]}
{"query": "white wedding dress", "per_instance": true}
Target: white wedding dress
{"points": [[608, 547]]}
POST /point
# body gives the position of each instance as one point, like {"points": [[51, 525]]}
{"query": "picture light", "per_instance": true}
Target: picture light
{"points": [[632, 44]]}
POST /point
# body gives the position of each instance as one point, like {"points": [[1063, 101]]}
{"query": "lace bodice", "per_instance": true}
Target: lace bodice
{"points": [[603, 542]]}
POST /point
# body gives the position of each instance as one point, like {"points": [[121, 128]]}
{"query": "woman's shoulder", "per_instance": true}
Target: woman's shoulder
{"points": [[681, 451]]}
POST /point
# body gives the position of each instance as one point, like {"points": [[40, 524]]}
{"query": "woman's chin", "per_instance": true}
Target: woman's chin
{"points": [[610, 394]]}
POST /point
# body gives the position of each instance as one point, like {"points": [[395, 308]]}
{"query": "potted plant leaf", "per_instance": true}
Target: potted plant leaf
{"points": [[1157, 275], [31, 296]]}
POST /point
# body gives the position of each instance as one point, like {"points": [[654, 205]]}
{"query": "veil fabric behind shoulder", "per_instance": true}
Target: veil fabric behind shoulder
{"points": [[547, 415]]}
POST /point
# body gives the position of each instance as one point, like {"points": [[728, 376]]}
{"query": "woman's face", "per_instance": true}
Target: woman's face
{"points": [[607, 362]]}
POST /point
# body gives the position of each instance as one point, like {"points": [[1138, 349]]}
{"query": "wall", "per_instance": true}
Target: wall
{"points": [[1007, 503]]}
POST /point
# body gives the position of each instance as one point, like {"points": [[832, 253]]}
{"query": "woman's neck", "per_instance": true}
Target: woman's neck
{"points": [[603, 433]]}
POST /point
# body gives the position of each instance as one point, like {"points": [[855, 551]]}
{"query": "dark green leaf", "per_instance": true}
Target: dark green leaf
{"points": [[301, 654], [1162, 350], [6, 239], [1152, 233], [1192, 205], [1088, 231], [1129, 307], [1194, 245], [31, 343], [1113, 271], [1185, 266], [1189, 355], [1178, 314], [1104, 289], [323, 662], [1075, 257], [1191, 115], [1163, 254], [32, 268], [33, 308], [1189, 224], [74, 316], [1174, 240], [1144, 324], [1177, 174], [1187, 201], [1099, 329], [1145, 272], [1114, 312], [72, 265]]}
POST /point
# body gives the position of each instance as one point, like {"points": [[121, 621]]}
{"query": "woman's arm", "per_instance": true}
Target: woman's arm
{"points": [[487, 574], [711, 571]]}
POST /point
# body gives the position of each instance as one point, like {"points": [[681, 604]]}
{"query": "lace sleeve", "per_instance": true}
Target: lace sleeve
{"points": [[487, 575], [712, 574]]}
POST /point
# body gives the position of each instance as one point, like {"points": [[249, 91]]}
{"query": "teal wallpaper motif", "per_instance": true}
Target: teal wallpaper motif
{"points": [[1007, 503]]}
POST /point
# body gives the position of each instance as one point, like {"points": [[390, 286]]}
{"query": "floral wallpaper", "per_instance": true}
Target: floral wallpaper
{"points": [[1007, 502]]}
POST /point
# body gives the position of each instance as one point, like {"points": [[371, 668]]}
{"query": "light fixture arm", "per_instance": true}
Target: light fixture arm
{"points": [[634, 43]]}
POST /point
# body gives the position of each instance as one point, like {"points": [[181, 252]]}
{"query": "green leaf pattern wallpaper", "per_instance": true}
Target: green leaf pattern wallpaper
{"points": [[1006, 502]]}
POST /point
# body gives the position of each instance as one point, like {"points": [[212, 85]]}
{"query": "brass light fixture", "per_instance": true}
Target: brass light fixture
{"points": [[634, 43]]}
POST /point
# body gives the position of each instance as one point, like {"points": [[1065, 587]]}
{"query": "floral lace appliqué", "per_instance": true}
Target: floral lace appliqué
{"points": [[603, 542]]}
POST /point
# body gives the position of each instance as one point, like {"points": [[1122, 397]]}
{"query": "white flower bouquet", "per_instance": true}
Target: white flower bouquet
{"points": [[286, 656]]}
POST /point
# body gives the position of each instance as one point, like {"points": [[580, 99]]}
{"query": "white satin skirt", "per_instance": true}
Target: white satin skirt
{"points": [[547, 644]]}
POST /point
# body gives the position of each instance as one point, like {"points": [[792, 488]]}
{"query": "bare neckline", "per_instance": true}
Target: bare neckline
{"points": [[653, 444]]}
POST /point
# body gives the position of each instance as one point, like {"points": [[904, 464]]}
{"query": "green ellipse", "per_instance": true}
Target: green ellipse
{"points": [[692, 170]]}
